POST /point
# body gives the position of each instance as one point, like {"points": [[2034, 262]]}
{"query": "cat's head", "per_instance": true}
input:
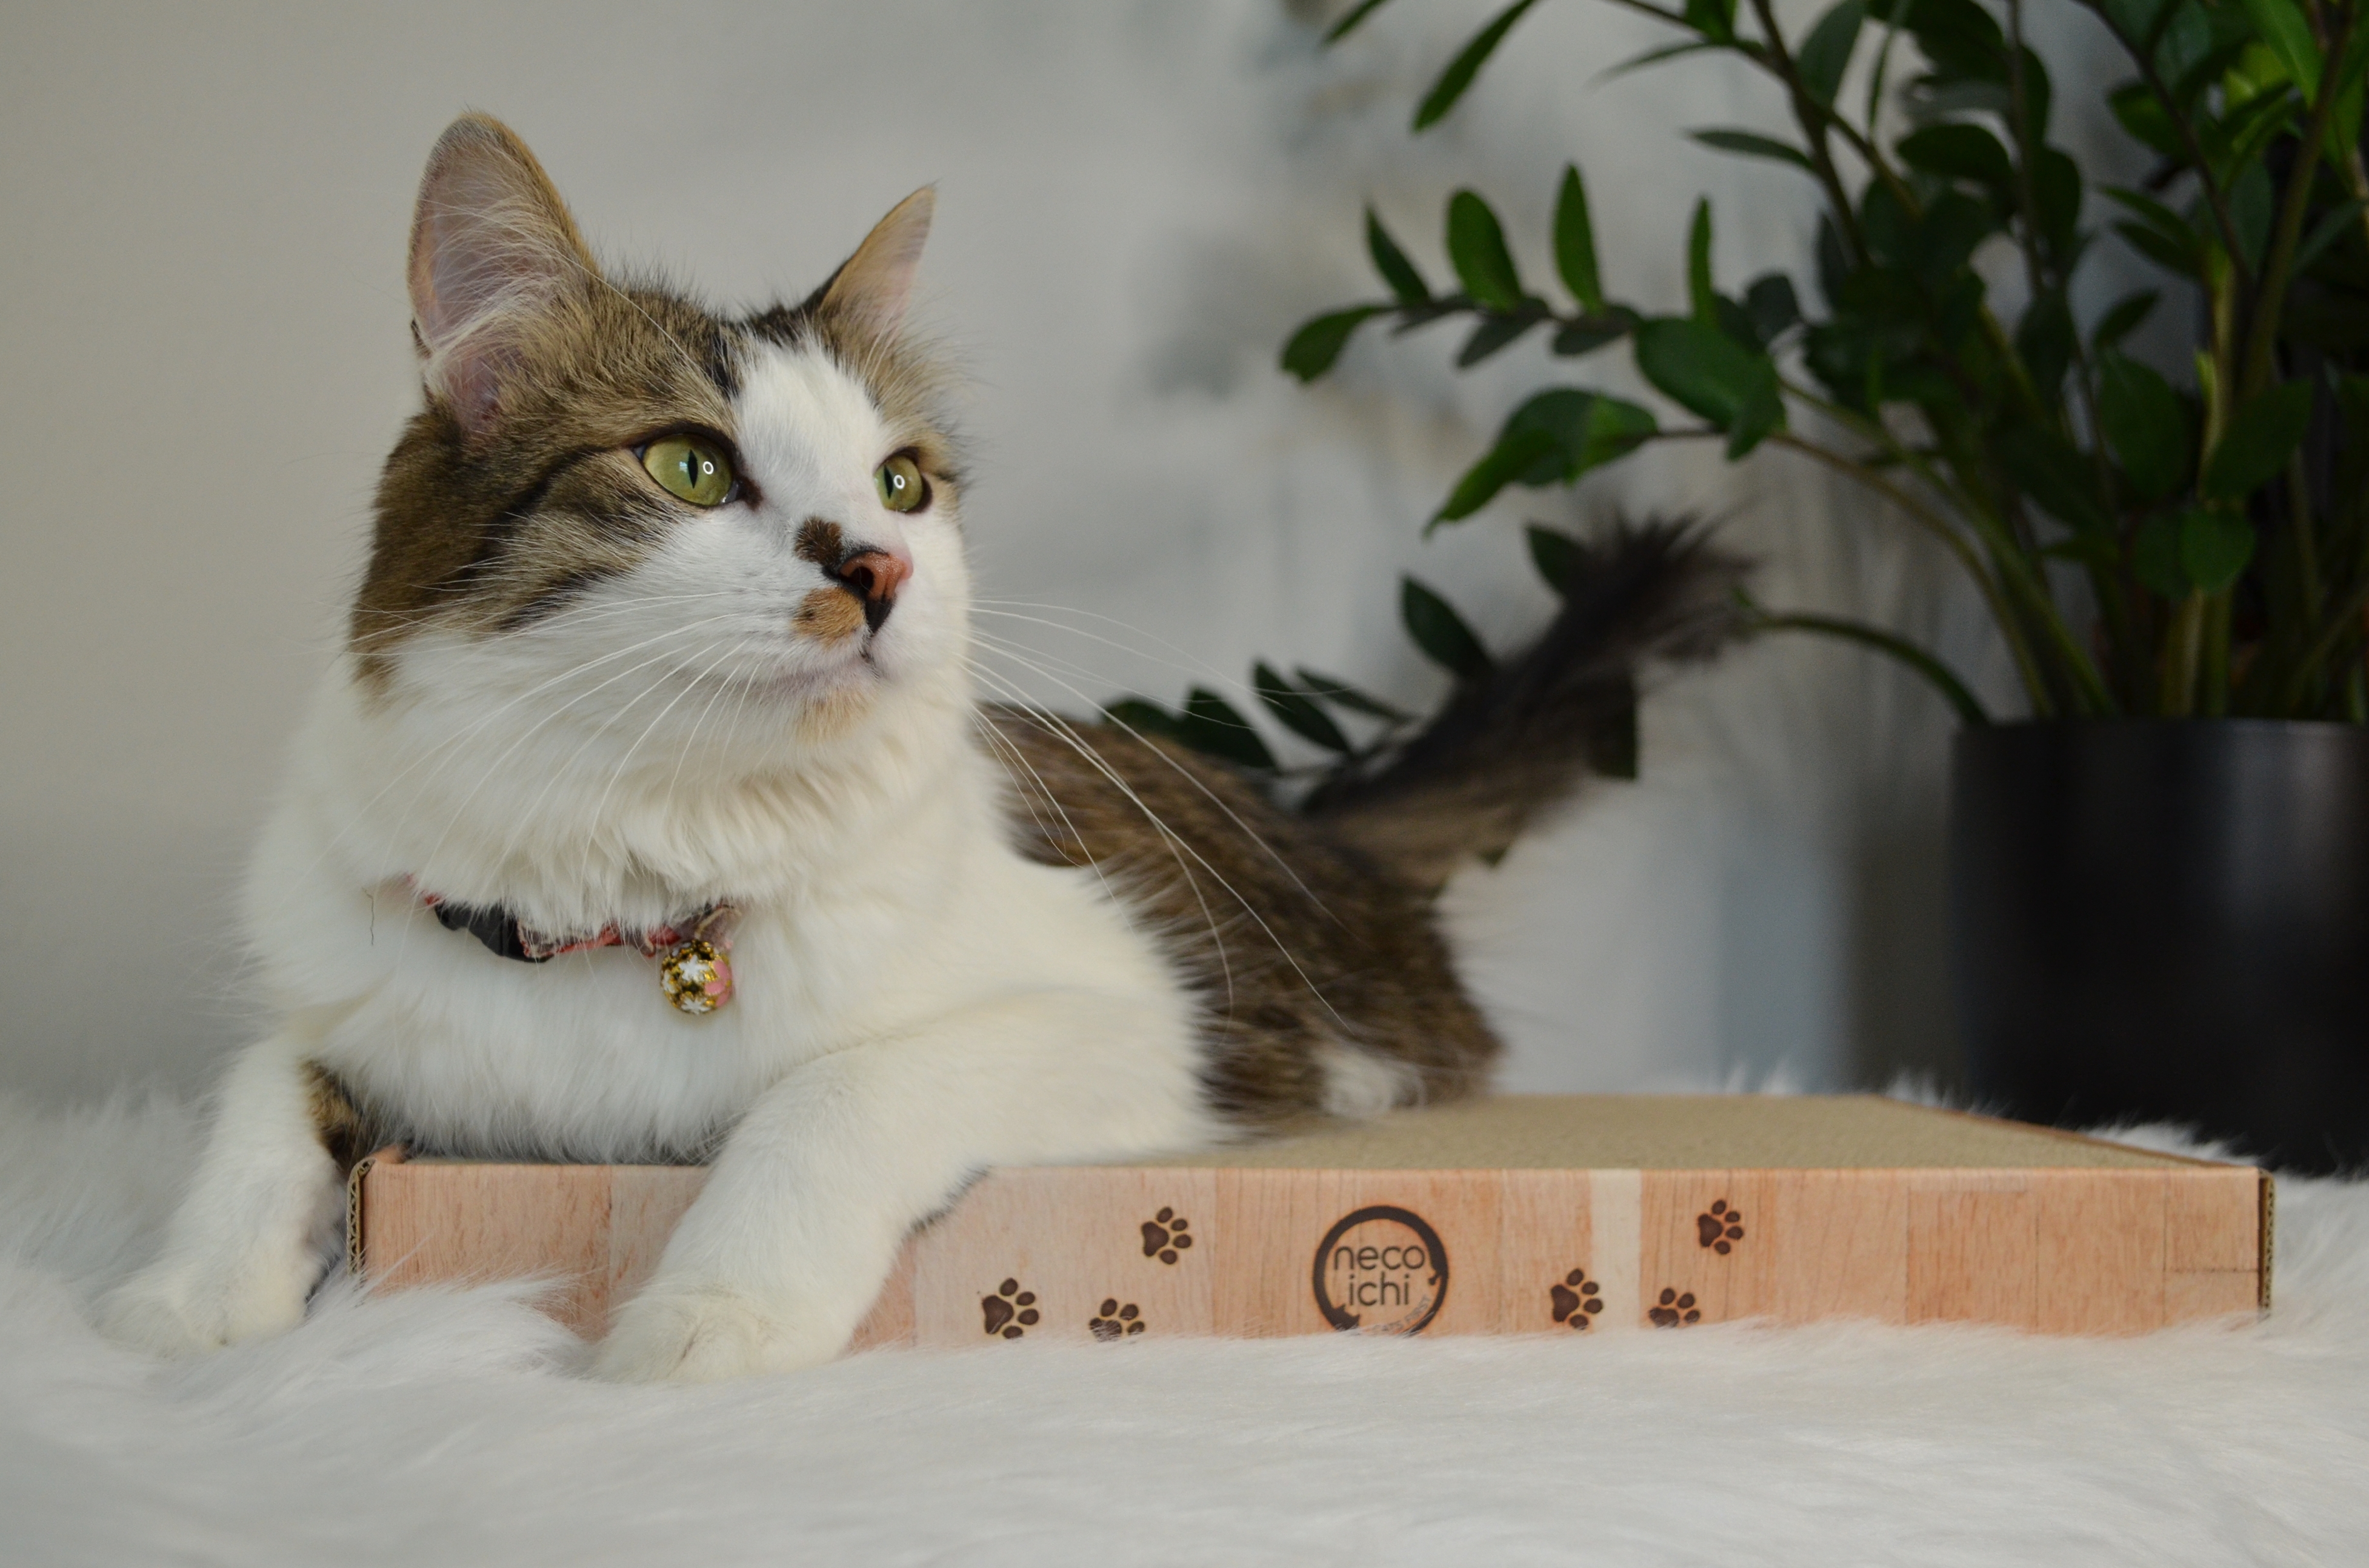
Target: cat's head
{"points": [[619, 512]]}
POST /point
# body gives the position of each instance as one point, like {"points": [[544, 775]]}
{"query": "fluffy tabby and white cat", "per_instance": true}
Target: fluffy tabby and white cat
{"points": [[667, 620]]}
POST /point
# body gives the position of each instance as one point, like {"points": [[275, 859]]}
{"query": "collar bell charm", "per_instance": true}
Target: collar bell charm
{"points": [[696, 973]]}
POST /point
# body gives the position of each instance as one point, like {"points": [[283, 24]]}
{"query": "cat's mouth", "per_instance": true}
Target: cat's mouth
{"points": [[812, 673]]}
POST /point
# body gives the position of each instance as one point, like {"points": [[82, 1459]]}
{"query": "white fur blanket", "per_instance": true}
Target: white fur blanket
{"points": [[447, 1428]]}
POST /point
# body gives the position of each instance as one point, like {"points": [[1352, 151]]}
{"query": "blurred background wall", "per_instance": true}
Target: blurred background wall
{"points": [[203, 358]]}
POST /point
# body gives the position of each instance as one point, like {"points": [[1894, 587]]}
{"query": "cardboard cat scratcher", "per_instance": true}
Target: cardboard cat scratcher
{"points": [[1521, 1214]]}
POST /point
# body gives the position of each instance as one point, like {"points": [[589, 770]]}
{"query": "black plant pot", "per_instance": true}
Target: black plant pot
{"points": [[2164, 917]]}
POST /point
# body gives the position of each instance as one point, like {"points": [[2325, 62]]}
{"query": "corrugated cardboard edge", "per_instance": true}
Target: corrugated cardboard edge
{"points": [[2270, 1233], [357, 1255]]}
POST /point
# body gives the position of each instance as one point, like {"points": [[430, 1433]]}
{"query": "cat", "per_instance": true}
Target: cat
{"points": [[653, 812]]}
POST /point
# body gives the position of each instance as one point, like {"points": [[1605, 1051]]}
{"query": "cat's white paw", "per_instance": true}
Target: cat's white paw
{"points": [[178, 1307], [705, 1336]]}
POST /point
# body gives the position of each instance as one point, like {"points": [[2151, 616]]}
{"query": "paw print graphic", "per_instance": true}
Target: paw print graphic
{"points": [[1115, 1321], [1575, 1300], [1719, 1227], [1164, 1237], [1674, 1311], [1011, 1312]]}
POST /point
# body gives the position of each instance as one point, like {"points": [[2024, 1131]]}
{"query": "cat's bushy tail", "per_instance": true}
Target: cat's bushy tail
{"points": [[1514, 743]]}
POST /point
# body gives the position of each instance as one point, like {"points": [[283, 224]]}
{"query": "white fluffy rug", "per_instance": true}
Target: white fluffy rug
{"points": [[450, 1429]]}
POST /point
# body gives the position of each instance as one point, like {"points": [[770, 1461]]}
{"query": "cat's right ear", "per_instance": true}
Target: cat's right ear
{"points": [[492, 248]]}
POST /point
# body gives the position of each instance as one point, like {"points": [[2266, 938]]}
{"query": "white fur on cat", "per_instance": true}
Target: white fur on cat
{"points": [[915, 1001]]}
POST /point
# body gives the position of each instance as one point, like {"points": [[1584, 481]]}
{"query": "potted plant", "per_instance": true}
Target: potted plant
{"points": [[2160, 870]]}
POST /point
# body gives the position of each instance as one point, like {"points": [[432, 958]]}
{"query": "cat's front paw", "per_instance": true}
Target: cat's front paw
{"points": [[706, 1336], [178, 1307]]}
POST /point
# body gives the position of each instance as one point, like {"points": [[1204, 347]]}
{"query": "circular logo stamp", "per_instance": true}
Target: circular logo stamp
{"points": [[1382, 1270]]}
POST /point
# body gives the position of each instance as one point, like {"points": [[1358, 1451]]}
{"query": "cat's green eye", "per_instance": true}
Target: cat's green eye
{"points": [[902, 488], [690, 468]]}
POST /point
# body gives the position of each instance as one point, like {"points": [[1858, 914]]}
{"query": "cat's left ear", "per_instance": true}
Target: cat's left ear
{"points": [[871, 290], [493, 249]]}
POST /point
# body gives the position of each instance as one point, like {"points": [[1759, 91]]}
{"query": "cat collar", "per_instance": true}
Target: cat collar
{"points": [[695, 955]]}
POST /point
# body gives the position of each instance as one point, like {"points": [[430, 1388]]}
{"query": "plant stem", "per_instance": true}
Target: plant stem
{"points": [[2182, 645], [2011, 565], [2262, 329], [2215, 659], [2323, 647], [2034, 683], [2308, 581], [2216, 201], [1944, 679], [1813, 120]]}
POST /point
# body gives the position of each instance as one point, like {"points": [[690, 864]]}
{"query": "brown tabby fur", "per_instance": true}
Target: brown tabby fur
{"points": [[1293, 939]]}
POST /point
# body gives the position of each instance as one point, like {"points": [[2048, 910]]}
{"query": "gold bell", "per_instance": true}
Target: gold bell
{"points": [[696, 976]]}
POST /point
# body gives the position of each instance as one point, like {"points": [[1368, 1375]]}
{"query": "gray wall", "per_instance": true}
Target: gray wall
{"points": [[203, 358]]}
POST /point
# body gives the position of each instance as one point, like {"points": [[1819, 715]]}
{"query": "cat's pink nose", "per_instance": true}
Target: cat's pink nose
{"points": [[874, 575]]}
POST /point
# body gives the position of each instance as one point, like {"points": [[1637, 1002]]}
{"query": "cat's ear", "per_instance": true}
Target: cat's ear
{"points": [[870, 290], [492, 248]]}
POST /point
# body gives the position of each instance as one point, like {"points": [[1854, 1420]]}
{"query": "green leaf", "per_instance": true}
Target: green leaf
{"points": [[1467, 64], [2056, 188], [2280, 24], [2123, 318], [2045, 467], [1715, 19], [2145, 424], [1554, 438], [1517, 455], [2165, 253], [1826, 53], [1946, 238], [1212, 724], [1959, 150], [1391, 263], [1604, 429], [2249, 126], [1702, 299], [2325, 233], [1752, 144], [1358, 13], [1763, 414], [1341, 695], [1476, 246], [1494, 333], [1709, 373], [2254, 448], [1556, 555], [1441, 632], [1296, 711], [1655, 56], [2251, 198], [2143, 115], [1574, 243], [1960, 38], [2154, 558], [1886, 223], [2214, 548], [2044, 339], [2154, 214], [1145, 718], [2037, 94], [1586, 337], [1316, 345], [2134, 19], [1594, 430], [1771, 306]]}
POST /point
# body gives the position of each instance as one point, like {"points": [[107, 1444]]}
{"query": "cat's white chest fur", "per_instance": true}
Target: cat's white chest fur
{"points": [[904, 913]]}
